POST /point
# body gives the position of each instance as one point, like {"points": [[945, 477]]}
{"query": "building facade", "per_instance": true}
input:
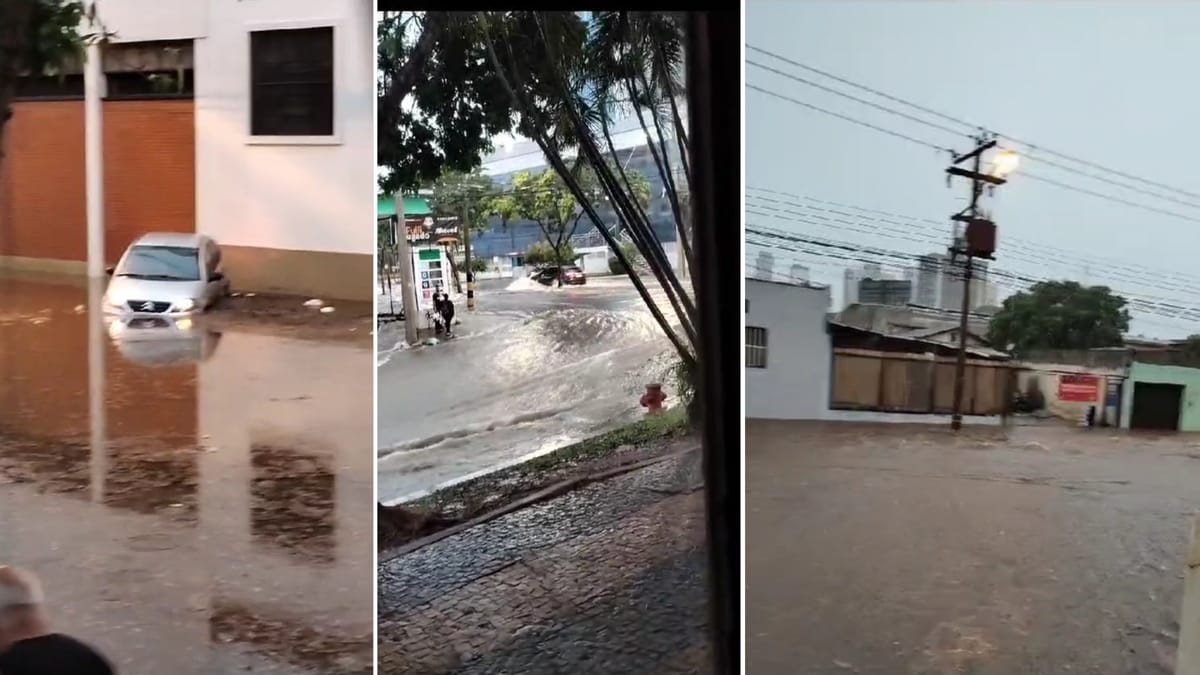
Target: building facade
{"points": [[787, 350], [250, 122]]}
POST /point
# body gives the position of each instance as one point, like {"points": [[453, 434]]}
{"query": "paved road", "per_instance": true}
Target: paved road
{"points": [[607, 579], [196, 503], [898, 549], [530, 371]]}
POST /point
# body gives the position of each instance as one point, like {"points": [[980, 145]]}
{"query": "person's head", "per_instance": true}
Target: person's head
{"points": [[21, 614]]}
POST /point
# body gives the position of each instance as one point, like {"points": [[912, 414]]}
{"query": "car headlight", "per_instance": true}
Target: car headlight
{"points": [[185, 305]]}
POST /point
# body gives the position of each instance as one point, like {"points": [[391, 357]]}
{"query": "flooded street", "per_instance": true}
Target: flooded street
{"points": [[530, 371], [903, 549], [194, 501]]}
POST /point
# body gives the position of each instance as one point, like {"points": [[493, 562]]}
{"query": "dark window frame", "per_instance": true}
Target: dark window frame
{"points": [[756, 348], [65, 87], [139, 91], [304, 68]]}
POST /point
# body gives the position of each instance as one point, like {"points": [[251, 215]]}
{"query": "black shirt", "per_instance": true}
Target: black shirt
{"points": [[53, 654]]}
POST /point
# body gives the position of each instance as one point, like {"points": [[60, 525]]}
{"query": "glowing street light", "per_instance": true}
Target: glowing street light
{"points": [[1004, 163]]}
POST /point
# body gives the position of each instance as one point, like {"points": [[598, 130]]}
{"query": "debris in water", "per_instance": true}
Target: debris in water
{"points": [[80, 309], [235, 295], [251, 295], [327, 310], [314, 302], [429, 342]]}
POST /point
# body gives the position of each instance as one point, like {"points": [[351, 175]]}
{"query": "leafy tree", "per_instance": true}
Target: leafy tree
{"points": [[1191, 348], [41, 37], [1060, 315], [440, 102], [544, 200], [541, 254], [568, 83], [450, 81]]}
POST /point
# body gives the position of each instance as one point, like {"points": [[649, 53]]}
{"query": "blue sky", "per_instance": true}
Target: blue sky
{"points": [[1105, 82]]}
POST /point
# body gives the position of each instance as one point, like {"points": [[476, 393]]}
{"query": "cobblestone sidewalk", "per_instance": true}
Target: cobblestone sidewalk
{"points": [[607, 579]]}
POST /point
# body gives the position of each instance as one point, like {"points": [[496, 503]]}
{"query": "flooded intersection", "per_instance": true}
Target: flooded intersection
{"points": [[192, 498]]}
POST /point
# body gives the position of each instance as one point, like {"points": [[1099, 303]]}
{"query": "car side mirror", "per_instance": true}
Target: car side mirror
{"points": [[109, 270]]}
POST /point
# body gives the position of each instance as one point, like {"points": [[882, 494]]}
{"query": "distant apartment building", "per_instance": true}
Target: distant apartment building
{"points": [[798, 274], [850, 278], [764, 266], [894, 292], [953, 275], [248, 122], [928, 286]]}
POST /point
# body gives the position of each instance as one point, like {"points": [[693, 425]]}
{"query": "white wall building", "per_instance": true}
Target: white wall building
{"points": [[287, 192], [789, 321]]}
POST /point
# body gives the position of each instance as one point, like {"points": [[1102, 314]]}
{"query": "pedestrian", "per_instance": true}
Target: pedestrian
{"points": [[438, 315], [447, 313], [27, 644]]}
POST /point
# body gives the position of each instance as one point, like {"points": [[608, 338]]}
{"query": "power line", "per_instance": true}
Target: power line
{"points": [[850, 119], [970, 125], [849, 251], [929, 224], [891, 111], [934, 146], [1033, 252]]}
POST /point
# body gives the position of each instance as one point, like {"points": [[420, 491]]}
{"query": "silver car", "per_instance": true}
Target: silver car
{"points": [[167, 274]]}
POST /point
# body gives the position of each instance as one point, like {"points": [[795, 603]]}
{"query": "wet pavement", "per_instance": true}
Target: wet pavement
{"points": [[530, 371], [881, 549], [194, 502], [610, 578]]}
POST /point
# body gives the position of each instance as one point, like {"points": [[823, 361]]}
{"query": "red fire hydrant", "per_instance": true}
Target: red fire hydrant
{"points": [[653, 399]]}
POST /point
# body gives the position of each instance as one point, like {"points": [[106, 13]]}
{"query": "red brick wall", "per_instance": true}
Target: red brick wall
{"points": [[42, 208], [149, 170], [149, 181]]}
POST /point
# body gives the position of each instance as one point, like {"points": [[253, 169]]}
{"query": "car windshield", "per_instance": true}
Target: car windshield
{"points": [[176, 263]]}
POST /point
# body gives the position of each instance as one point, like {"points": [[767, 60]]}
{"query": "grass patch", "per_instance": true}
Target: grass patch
{"points": [[646, 438]]}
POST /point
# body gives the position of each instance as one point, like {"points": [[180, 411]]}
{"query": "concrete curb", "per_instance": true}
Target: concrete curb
{"points": [[544, 494]]}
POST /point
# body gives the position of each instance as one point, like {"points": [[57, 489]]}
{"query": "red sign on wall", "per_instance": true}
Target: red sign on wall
{"points": [[1078, 388]]}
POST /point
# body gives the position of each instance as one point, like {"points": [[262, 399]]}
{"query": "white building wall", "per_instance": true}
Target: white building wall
{"points": [[148, 20], [795, 384], [298, 194]]}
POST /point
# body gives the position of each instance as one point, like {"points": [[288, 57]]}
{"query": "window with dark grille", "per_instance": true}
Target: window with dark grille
{"points": [[291, 82], [49, 87], [756, 347], [158, 84]]}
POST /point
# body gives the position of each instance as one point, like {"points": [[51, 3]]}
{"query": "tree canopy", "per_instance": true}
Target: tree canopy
{"points": [[41, 37], [440, 102], [1060, 315]]}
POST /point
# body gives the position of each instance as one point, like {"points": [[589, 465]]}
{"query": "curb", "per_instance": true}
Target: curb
{"points": [[544, 494]]}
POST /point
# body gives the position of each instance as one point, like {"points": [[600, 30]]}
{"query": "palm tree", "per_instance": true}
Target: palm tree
{"points": [[568, 81]]}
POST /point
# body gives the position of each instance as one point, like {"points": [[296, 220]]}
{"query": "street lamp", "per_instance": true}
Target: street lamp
{"points": [[1004, 163]]}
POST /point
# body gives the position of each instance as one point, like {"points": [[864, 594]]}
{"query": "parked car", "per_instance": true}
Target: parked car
{"points": [[571, 276], [166, 274]]}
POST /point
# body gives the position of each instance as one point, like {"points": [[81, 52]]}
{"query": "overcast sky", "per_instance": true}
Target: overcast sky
{"points": [[1111, 83]]}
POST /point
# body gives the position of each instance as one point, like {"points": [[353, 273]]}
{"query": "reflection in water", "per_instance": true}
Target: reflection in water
{"points": [[292, 502], [139, 450]]}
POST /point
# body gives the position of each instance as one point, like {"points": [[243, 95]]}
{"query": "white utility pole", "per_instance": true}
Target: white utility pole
{"points": [[407, 284], [93, 158]]}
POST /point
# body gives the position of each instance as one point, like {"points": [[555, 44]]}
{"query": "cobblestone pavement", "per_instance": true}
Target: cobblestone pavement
{"points": [[607, 579]]}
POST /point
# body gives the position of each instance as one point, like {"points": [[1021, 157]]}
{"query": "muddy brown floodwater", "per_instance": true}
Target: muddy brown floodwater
{"points": [[197, 498], [903, 549]]}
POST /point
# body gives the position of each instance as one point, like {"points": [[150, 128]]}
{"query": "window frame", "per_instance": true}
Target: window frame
{"points": [[756, 348], [337, 72]]}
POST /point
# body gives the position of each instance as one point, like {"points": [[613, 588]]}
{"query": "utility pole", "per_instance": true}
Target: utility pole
{"points": [[407, 285], [978, 241], [466, 229]]}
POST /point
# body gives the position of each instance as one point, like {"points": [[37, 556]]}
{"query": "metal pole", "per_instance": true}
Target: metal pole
{"points": [[93, 159], [407, 285], [466, 228], [960, 365]]}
